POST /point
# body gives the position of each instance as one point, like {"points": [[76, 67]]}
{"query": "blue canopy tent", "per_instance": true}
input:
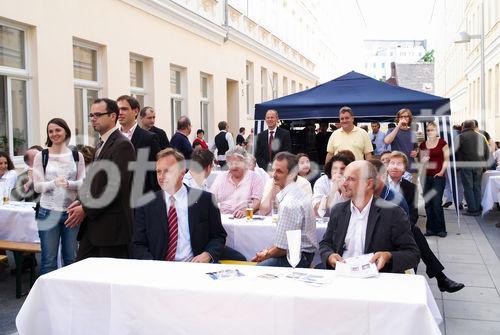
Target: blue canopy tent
{"points": [[370, 100]]}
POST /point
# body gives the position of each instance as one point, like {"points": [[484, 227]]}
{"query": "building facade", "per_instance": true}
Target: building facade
{"points": [[206, 59], [458, 66]]}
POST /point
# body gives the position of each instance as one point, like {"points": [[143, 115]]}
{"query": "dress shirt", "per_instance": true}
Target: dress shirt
{"points": [[230, 143], [191, 182], [130, 132], [104, 138], [395, 186], [184, 251], [356, 232], [322, 189], [269, 133], [9, 178], [378, 140]]}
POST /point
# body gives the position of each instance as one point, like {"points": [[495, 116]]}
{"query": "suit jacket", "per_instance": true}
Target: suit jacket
{"points": [[111, 224], [181, 143], [408, 190], [281, 136], [145, 139], [162, 137], [150, 238], [387, 230]]}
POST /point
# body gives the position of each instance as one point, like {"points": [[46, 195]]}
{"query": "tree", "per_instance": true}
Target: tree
{"points": [[428, 57]]}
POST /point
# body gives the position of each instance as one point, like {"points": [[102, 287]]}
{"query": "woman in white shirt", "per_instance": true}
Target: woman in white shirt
{"points": [[57, 180], [327, 189], [8, 175]]}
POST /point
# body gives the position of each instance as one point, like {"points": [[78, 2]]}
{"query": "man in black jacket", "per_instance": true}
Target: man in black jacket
{"points": [[181, 223], [142, 140], [472, 153], [147, 117], [271, 141], [383, 225]]}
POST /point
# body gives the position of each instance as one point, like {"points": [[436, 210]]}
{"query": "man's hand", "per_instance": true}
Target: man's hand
{"points": [[76, 214], [260, 256], [413, 153], [275, 190], [239, 213], [381, 258], [333, 259], [204, 257]]}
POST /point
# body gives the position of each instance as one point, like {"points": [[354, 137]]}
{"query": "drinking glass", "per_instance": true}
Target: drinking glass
{"points": [[249, 210]]}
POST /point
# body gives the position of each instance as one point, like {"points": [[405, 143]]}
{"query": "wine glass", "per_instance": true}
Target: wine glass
{"points": [[293, 252]]}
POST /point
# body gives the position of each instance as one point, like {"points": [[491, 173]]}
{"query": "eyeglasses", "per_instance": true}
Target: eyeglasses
{"points": [[97, 115]]}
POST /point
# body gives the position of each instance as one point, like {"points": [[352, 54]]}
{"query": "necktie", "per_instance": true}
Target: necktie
{"points": [[172, 231], [270, 144], [98, 148]]}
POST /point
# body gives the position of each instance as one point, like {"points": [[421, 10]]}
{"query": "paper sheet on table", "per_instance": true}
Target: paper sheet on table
{"points": [[359, 267]]}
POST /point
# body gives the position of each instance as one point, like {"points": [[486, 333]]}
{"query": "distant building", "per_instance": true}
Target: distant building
{"points": [[418, 77]]}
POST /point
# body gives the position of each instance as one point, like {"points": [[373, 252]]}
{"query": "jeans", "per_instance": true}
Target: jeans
{"points": [[433, 209], [448, 189], [51, 229], [471, 179], [305, 261]]}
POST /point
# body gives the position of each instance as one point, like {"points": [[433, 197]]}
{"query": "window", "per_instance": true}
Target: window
{"points": [[301, 87], [294, 86], [249, 85], [285, 86], [382, 65], [87, 87], [275, 85], [137, 89], [177, 89], [14, 90], [205, 103], [263, 84]]}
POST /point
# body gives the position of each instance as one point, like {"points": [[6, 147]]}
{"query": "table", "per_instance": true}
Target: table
{"points": [[17, 222], [114, 296], [490, 189], [248, 237]]}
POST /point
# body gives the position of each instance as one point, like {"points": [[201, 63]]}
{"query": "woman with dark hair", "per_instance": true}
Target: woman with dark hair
{"points": [[58, 172], [328, 190], [199, 141], [8, 174], [307, 170]]}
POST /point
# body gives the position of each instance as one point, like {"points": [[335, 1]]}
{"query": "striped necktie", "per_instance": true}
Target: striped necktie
{"points": [[172, 230]]}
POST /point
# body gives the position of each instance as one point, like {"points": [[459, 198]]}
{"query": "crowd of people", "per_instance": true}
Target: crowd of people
{"points": [[137, 194]]}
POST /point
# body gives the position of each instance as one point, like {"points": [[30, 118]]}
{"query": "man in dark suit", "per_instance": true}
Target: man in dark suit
{"points": [[180, 140], [147, 117], [271, 141], [24, 189], [384, 225], [105, 210], [398, 163], [141, 140], [181, 223]]}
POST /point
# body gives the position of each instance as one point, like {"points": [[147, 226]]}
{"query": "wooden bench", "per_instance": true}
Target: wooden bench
{"points": [[22, 250]]}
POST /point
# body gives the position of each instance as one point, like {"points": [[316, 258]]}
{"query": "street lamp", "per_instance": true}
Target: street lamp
{"points": [[464, 37]]}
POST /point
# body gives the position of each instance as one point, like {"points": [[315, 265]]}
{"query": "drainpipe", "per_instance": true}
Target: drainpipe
{"points": [[226, 21]]}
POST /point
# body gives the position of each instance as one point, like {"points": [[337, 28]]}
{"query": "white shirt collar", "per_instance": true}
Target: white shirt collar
{"points": [[281, 194], [130, 132], [178, 196], [364, 212], [106, 135]]}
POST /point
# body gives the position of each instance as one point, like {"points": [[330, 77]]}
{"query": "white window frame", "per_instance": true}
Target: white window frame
{"points": [[86, 85], [134, 90], [275, 85], [24, 75], [249, 86], [285, 86], [205, 101], [263, 84], [175, 97]]}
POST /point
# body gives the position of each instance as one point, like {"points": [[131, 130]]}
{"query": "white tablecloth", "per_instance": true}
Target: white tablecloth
{"points": [[111, 296], [17, 222], [490, 189], [249, 237]]}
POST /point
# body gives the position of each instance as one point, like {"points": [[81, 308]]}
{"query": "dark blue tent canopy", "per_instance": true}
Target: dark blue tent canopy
{"points": [[369, 99]]}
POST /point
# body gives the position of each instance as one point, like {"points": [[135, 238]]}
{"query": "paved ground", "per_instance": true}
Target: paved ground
{"points": [[473, 257]]}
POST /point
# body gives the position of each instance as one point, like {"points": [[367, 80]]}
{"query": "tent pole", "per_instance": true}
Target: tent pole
{"points": [[453, 162]]}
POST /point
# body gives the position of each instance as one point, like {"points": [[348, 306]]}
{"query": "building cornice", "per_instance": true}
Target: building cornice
{"points": [[182, 17], [249, 43]]}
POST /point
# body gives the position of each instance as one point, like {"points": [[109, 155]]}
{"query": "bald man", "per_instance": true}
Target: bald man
{"points": [[24, 185], [367, 224]]}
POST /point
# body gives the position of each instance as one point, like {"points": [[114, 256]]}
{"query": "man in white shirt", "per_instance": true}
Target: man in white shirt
{"points": [[223, 142], [181, 223], [200, 168], [368, 224]]}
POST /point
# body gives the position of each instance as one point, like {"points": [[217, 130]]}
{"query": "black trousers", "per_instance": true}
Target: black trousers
{"points": [[432, 264], [87, 250]]}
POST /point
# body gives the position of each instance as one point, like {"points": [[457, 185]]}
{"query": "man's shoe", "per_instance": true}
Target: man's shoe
{"points": [[447, 204], [460, 206], [448, 285], [497, 225], [472, 213], [442, 234], [430, 233]]}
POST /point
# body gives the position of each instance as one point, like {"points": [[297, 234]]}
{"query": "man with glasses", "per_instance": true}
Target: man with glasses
{"points": [[367, 224], [104, 207]]}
